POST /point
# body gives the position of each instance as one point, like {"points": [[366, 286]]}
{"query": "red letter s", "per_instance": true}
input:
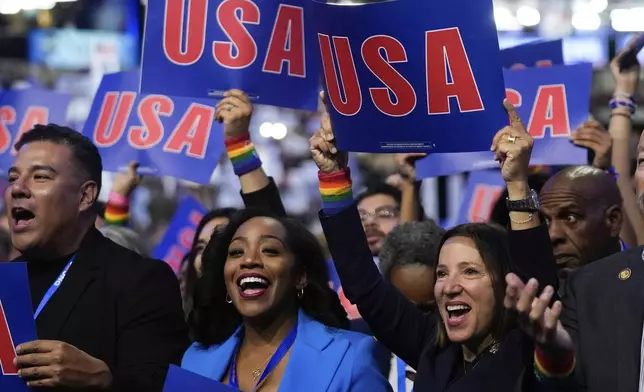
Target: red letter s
{"points": [[396, 84], [151, 132], [7, 117], [240, 38]]}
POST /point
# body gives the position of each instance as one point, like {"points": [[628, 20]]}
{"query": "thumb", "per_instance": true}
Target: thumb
{"points": [[515, 120]]}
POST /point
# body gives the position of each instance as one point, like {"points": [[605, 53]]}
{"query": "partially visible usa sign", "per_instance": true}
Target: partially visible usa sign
{"points": [[336, 285], [168, 136], [177, 240], [20, 110], [410, 76], [264, 47], [533, 54], [483, 190], [552, 102], [17, 324], [181, 380]]}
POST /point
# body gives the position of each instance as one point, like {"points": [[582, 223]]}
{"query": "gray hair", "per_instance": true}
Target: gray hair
{"points": [[126, 237], [411, 243]]}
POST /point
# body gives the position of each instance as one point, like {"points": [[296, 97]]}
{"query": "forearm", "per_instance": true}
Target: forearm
{"points": [[117, 210]]}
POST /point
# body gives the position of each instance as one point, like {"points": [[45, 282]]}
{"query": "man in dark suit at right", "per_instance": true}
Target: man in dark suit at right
{"points": [[107, 318]]}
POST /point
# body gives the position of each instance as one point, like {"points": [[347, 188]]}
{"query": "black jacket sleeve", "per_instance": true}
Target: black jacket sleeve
{"points": [[267, 198], [395, 321], [532, 256], [151, 331]]}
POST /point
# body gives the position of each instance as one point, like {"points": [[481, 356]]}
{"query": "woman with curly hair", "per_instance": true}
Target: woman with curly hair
{"points": [[264, 316]]}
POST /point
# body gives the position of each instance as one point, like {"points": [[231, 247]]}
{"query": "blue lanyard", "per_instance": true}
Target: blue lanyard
{"points": [[286, 345], [54, 287]]}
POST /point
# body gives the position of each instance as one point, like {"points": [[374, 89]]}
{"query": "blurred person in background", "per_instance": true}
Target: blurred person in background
{"points": [[127, 238], [407, 261], [265, 317]]}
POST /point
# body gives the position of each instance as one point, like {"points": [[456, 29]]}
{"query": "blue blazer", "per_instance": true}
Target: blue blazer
{"points": [[322, 359]]}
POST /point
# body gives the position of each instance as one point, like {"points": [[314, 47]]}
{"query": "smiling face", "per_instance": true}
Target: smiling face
{"points": [[45, 197], [260, 272], [464, 291]]}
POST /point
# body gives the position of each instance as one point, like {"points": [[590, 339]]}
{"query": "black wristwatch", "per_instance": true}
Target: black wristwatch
{"points": [[529, 204]]}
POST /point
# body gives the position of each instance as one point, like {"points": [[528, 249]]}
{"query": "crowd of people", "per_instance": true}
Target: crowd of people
{"points": [[547, 296]]}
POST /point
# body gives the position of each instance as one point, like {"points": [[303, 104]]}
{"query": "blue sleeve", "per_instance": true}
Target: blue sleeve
{"points": [[366, 374]]}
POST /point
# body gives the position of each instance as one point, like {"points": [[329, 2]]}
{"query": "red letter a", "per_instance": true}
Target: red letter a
{"points": [[287, 43], [7, 350], [352, 101], [445, 54], [550, 110]]}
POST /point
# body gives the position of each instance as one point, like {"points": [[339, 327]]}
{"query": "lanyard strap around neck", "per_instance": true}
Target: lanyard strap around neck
{"points": [[280, 353], [54, 287]]}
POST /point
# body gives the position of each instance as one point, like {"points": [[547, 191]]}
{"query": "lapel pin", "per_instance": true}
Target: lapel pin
{"points": [[625, 274]]}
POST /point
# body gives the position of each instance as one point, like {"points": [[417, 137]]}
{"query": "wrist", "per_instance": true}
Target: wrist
{"points": [[119, 198], [554, 362], [336, 191], [242, 154], [518, 190]]}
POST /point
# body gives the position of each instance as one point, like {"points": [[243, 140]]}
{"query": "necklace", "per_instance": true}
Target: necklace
{"points": [[258, 370]]}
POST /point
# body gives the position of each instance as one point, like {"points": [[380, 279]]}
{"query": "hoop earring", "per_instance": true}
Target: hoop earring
{"points": [[228, 299], [300, 293]]}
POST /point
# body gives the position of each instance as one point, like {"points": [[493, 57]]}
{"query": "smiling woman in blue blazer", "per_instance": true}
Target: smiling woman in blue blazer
{"points": [[265, 318]]}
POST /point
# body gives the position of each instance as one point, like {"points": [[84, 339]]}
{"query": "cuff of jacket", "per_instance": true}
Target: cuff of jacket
{"points": [[550, 367]]}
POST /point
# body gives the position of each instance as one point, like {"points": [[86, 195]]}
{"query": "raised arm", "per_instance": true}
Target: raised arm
{"points": [[395, 322], [117, 209], [257, 189]]}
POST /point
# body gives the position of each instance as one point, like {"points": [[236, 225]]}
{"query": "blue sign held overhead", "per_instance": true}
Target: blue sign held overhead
{"points": [[20, 110], [208, 47], [168, 136], [410, 76], [552, 102], [533, 54]]}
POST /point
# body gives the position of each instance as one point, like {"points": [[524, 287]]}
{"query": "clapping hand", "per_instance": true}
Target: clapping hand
{"points": [[322, 146], [47, 363], [536, 317]]}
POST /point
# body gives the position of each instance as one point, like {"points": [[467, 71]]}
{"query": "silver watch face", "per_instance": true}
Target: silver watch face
{"points": [[534, 199]]}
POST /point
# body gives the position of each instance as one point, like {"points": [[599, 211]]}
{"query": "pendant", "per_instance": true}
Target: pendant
{"points": [[256, 374]]}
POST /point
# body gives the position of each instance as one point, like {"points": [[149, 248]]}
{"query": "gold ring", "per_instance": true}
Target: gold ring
{"points": [[512, 138], [229, 107]]}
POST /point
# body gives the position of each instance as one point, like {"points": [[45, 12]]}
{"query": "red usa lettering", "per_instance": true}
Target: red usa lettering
{"points": [[8, 117], [483, 198], [549, 111], [190, 136], [174, 257], [7, 349], [184, 36], [445, 56]]}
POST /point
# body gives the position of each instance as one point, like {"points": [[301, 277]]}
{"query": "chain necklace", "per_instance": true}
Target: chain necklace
{"points": [[257, 372]]}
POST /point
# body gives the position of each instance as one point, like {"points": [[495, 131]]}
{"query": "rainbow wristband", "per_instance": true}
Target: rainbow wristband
{"points": [[336, 191], [242, 154], [117, 209], [547, 367]]}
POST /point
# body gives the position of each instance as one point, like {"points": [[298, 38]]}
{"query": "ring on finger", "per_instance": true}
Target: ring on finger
{"points": [[229, 108], [512, 138]]}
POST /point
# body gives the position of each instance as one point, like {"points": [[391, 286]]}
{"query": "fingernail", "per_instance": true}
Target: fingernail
{"points": [[548, 290], [333, 150], [532, 282]]}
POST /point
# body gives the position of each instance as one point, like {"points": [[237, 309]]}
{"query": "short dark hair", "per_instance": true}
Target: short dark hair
{"points": [[493, 243], [411, 243], [213, 321], [85, 153], [381, 189]]}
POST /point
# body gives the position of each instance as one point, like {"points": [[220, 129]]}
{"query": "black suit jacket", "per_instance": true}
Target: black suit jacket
{"points": [[604, 313], [411, 334], [121, 308]]}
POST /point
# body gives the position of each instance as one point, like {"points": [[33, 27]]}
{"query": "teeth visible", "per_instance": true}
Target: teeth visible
{"points": [[452, 308], [253, 280]]}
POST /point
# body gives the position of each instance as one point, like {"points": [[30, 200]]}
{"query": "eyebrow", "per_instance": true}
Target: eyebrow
{"points": [[465, 263], [262, 237], [35, 168]]}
